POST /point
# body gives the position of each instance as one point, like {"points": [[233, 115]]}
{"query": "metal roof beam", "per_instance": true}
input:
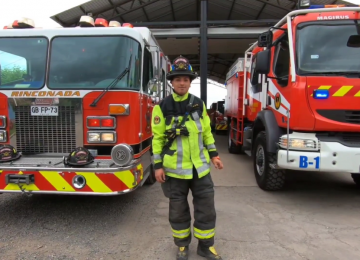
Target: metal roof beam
{"points": [[221, 33], [134, 9], [209, 23]]}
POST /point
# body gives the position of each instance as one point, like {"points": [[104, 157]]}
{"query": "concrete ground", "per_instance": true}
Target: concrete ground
{"points": [[316, 217]]}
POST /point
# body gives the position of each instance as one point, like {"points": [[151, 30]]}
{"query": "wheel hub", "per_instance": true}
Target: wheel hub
{"points": [[260, 160]]}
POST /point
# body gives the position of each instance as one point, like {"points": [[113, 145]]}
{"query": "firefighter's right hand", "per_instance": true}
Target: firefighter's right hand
{"points": [[160, 175]]}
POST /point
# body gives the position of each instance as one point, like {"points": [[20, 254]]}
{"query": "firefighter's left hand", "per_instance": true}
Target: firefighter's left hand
{"points": [[217, 163]]}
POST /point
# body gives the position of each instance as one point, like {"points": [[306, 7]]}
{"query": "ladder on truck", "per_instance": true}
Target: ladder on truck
{"points": [[237, 121]]}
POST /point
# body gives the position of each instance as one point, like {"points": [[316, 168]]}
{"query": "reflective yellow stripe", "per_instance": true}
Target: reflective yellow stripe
{"points": [[357, 94], [57, 181], [13, 186], [204, 234], [181, 233], [342, 91], [126, 177], [95, 183], [324, 87]]}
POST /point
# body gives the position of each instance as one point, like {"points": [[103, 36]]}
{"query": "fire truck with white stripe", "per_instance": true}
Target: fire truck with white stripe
{"points": [[293, 101], [75, 107]]}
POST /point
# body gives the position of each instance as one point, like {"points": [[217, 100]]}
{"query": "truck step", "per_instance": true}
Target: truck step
{"points": [[248, 152], [249, 140]]}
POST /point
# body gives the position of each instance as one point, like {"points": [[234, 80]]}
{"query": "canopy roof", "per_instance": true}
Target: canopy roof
{"points": [[174, 14]]}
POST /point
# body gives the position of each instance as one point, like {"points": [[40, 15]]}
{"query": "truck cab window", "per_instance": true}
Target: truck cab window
{"points": [[282, 61], [148, 73], [22, 62]]}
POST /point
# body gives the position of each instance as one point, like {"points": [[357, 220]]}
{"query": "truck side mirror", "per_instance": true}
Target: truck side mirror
{"points": [[354, 41], [153, 85], [265, 39], [263, 62]]}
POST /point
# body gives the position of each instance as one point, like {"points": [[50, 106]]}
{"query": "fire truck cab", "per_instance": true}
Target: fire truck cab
{"points": [[295, 104], [75, 107]]}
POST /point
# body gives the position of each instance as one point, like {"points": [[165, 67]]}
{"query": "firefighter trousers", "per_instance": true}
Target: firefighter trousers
{"points": [[202, 190]]}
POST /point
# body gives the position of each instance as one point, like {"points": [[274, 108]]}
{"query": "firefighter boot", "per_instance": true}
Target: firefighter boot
{"points": [[208, 252], [183, 253]]}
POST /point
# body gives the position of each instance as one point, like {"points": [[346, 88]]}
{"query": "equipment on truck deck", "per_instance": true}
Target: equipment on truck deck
{"points": [[217, 119], [78, 121], [292, 101]]}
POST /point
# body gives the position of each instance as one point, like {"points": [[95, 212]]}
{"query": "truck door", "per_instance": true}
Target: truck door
{"points": [[279, 85]]}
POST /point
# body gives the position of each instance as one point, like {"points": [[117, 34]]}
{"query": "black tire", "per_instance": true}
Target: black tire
{"points": [[151, 178], [356, 178], [232, 147], [267, 178]]}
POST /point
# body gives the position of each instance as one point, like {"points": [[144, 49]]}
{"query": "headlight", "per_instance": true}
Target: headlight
{"points": [[107, 137], [101, 137], [299, 144], [94, 137], [3, 137]]}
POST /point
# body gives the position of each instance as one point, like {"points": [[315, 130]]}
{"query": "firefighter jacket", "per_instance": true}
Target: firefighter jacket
{"points": [[194, 150]]}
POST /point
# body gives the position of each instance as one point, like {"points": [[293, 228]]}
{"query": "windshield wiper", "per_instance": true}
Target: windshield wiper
{"points": [[112, 84]]}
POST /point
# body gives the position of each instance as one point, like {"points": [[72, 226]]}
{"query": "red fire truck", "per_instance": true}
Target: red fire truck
{"points": [[295, 104], [75, 107]]}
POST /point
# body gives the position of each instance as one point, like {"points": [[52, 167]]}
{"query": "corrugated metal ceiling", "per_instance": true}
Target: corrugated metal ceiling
{"points": [[139, 11]]}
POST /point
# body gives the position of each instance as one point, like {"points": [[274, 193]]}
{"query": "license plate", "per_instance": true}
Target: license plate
{"points": [[44, 110]]}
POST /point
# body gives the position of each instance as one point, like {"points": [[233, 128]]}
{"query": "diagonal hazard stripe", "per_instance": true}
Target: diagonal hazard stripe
{"points": [[342, 91], [69, 178], [95, 183], [126, 177], [357, 94], [24, 186], [57, 181], [322, 87], [140, 168]]}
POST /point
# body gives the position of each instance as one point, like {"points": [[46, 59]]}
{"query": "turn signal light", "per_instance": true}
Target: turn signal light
{"points": [[93, 122], [101, 122], [119, 109], [109, 122]]}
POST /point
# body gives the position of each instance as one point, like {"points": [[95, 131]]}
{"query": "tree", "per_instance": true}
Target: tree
{"points": [[11, 74]]}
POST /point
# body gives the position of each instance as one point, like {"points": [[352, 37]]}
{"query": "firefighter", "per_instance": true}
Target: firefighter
{"points": [[183, 147]]}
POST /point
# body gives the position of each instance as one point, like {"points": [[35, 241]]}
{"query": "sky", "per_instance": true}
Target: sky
{"points": [[41, 10]]}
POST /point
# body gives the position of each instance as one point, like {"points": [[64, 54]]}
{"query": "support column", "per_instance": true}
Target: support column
{"points": [[203, 51]]}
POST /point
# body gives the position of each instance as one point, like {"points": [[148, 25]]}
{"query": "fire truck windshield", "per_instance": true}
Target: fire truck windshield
{"points": [[322, 48], [22, 62], [94, 62]]}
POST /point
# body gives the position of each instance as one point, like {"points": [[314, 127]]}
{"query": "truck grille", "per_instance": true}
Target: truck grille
{"points": [[343, 116], [349, 139], [45, 134]]}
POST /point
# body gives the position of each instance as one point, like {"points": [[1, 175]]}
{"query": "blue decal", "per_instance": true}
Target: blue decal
{"points": [[304, 162]]}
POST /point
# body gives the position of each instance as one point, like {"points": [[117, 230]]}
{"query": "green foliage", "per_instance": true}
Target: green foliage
{"points": [[11, 74]]}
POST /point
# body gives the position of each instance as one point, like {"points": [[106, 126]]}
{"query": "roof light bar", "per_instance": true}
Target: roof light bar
{"points": [[328, 6], [303, 4], [128, 25], [86, 21], [26, 23], [114, 24], [101, 22]]}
